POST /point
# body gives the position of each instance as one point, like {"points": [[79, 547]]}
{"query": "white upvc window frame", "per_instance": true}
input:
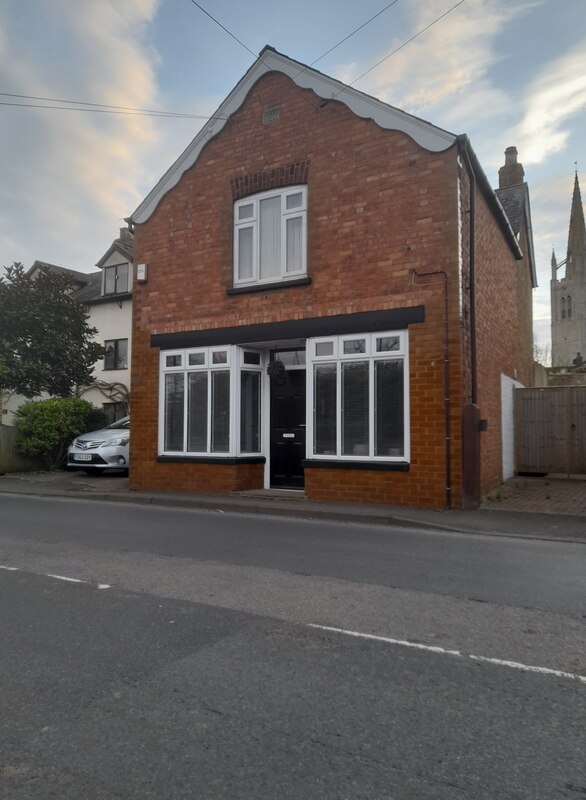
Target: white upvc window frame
{"points": [[253, 223], [235, 366], [260, 369], [337, 358]]}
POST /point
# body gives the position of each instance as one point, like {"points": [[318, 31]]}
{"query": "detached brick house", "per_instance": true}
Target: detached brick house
{"points": [[328, 294]]}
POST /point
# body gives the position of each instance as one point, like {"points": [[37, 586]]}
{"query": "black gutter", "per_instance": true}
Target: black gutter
{"points": [[463, 148]]}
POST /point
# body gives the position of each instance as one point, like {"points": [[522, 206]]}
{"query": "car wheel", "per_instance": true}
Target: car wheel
{"points": [[94, 471]]}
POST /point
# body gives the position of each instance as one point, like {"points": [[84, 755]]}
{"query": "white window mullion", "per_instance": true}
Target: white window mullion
{"points": [[339, 409], [283, 272], [371, 408], [185, 407], [161, 402], [210, 411], [309, 405], [234, 435]]}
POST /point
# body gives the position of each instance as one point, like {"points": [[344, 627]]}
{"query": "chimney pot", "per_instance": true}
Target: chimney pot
{"points": [[512, 173]]}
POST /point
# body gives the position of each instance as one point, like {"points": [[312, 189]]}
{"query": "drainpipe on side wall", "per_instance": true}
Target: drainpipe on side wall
{"points": [[471, 423], [463, 144]]}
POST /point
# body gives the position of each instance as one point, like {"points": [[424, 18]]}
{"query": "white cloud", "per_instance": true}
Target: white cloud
{"points": [[75, 175], [556, 96], [445, 71]]}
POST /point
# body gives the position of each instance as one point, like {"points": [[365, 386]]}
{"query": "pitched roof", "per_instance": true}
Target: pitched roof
{"points": [[515, 202], [124, 245], [92, 290], [88, 284], [424, 133], [80, 278]]}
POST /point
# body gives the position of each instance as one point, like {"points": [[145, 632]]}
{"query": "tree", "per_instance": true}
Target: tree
{"points": [[542, 352], [46, 343]]}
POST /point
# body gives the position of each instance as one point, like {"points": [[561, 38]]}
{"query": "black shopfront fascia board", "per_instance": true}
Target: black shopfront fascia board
{"points": [[362, 322]]}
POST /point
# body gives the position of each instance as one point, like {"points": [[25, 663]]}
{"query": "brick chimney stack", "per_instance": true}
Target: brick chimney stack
{"points": [[512, 173], [126, 237]]}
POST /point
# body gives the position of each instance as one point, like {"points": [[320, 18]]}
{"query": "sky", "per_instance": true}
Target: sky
{"points": [[505, 72]]}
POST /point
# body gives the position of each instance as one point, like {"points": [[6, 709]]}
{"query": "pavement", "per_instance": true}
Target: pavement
{"points": [[551, 507]]}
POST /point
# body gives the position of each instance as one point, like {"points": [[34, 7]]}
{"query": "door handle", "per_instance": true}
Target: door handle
{"points": [[288, 436]]}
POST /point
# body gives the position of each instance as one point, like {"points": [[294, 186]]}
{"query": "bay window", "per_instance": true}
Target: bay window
{"points": [[358, 391], [270, 236], [206, 395]]}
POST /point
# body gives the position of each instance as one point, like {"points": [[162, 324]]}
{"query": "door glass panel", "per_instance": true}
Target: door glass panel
{"points": [[324, 409], [355, 424], [389, 408], [220, 411], [174, 391], [197, 413], [251, 357]]}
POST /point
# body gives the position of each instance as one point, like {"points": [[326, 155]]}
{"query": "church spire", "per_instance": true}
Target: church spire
{"points": [[577, 233]]}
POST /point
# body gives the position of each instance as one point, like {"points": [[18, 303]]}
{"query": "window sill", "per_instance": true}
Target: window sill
{"points": [[225, 460], [109, 298], [262, 287], [324, 463]]}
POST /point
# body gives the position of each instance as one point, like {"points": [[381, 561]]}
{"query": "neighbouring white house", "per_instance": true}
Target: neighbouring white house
{"points": [[108, 295]]}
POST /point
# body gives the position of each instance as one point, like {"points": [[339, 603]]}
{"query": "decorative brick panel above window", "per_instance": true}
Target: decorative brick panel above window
{"points": [[287, 175]]}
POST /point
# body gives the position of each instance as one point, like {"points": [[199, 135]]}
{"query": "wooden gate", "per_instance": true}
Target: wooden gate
{"points": [[550, 430]]}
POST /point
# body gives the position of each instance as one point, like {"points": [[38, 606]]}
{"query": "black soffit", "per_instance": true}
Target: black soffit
{"points": [[362, 322]]}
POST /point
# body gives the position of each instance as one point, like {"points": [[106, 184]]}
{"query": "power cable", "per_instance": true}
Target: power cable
{"points": [[345, 39], [101, 105], [223, 27], [164, 115], [427, 27]]}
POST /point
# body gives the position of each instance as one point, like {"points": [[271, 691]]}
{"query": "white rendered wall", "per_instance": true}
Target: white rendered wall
{"points": [[508, 386]]}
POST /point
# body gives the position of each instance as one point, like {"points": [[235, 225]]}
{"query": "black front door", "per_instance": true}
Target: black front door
{"points": [[288, 429]]}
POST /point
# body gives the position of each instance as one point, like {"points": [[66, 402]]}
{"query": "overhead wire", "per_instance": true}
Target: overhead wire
{"points": [[359, 28], [223, 27], [143, 111], [393, 52], [103, 108]]}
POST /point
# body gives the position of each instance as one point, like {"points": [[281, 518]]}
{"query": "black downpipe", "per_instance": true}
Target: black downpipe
{"points": [[472, 270]]}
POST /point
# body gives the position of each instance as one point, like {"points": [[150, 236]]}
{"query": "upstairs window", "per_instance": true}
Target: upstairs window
{"points": [[116, 279], [116, 354], [270, 236]]}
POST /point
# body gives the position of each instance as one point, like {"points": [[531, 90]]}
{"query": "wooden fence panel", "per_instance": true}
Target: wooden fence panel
{"points": [[550, 429], [10, 458]]}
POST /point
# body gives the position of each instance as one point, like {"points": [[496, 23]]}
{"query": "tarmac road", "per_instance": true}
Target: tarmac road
{"points": [[195, 670]]}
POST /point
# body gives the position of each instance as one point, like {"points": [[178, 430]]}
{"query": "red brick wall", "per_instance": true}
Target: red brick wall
{"points": [[379, 207], [503, 330]]}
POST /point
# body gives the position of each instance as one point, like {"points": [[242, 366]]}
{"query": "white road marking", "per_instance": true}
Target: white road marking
{"points": [[442, 651], [64, 578], [58, 577]]}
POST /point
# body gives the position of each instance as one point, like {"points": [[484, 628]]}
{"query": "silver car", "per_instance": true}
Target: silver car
{"points": [[97, 451]]}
